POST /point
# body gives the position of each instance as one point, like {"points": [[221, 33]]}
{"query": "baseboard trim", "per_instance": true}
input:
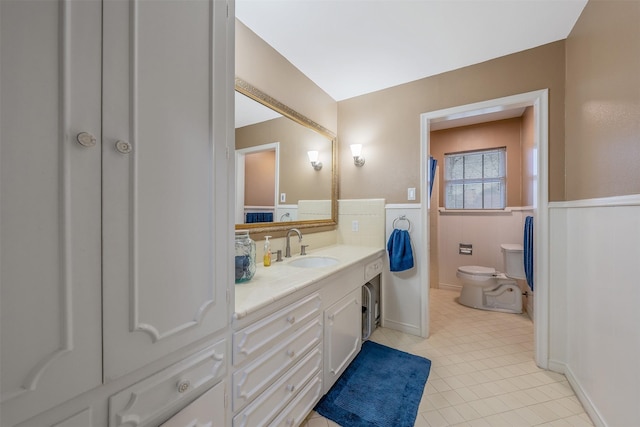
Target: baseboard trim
{"points": [[402, 327], [584, 398], [449, 287], [558, 367]]}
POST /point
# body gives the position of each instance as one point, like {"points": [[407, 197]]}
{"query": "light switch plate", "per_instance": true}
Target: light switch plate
{"points": [[411, 193], [283, 197], [355, 226]]}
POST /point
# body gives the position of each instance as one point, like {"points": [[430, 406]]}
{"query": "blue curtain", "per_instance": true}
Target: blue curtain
{"points": [[432, 173], [528, 250]]}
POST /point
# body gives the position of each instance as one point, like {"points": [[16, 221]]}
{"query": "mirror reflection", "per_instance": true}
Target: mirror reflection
{"points": [[277, 185]]}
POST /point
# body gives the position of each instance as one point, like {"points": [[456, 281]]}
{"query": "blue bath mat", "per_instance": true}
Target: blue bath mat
{"points": [[382, 387]]}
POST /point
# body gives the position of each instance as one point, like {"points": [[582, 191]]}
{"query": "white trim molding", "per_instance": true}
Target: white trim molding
{"points": [[629, 200]]}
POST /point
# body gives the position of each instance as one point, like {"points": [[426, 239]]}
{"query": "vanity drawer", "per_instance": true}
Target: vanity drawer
{"points": [[145, 401], [372, 269], [206, 410], [295, 413], [268, 331], [270, 403], [251, 380]]}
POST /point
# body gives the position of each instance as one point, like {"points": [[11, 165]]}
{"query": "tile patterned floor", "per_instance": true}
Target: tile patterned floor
{"points": [[482, 372]]}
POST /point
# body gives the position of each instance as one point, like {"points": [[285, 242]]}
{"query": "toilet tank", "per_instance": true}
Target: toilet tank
{"points": [[512, 254]]}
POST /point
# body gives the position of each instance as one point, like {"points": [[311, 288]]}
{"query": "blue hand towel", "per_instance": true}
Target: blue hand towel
{"points": [[400, 253]]}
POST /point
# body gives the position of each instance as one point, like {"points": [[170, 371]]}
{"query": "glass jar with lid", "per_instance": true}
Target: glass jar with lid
{"points": [[245, 259]]}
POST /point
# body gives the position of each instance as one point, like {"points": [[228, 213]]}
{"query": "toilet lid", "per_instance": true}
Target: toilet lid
{"points": [[477, 270]]}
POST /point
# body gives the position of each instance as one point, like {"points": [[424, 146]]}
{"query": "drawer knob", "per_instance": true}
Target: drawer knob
{"points": [[291, 353], [123, 147], [291, 387], [86, 139], [291, 319], [183, 386]]}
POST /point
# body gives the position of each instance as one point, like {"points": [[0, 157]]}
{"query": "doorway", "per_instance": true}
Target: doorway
{"points": [[539, 101], [264, 179]]}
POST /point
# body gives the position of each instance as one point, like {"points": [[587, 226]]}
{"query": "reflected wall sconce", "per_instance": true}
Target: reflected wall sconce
{"points": [[313, 158], [356, 152]]}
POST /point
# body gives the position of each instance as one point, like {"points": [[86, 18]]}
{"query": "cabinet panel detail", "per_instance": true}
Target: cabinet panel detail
{"points": [[164, 279], [145, 401], [343, 335], [296, 412], [266, 333], [81, 419], [50, 222], [249, 381], [270, 403]]}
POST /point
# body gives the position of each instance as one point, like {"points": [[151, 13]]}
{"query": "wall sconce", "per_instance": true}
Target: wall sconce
{"points": [[356, 152], [313, 158]]}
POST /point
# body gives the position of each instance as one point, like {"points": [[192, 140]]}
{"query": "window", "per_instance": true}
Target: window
{"points": [[475, 180]]}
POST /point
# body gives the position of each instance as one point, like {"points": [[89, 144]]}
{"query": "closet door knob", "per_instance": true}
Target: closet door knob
{"points": [[86, 139], [123, 147]]}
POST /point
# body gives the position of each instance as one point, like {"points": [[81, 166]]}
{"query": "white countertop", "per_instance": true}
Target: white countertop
{"points": [[281, 279]]}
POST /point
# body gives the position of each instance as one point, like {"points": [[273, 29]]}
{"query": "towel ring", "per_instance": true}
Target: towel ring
{"points": [[402, 218]]}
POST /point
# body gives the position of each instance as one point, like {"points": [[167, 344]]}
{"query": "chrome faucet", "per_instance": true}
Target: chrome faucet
{"points": [[287, 249]]}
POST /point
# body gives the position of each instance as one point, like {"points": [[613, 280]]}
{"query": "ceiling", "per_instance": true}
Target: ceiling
{"points": [[352, 47]]}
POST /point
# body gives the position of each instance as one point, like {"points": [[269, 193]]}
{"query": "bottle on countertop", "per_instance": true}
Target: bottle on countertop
{"points": [[267, 252], [245, 256]]}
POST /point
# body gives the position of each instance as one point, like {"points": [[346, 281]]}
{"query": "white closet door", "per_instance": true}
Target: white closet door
{"points": [[50, 332], [164, 153]]}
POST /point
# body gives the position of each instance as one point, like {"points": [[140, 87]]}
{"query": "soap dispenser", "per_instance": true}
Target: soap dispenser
{"points": [[267, 252]]}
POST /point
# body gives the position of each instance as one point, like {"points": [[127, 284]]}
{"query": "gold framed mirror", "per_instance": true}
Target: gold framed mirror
{"points": [[277, 185]]}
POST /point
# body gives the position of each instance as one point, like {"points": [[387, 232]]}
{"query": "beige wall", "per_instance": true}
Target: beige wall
{"points": [[603, 101], [298, 180], [387, 122], [483, 136], [529, 174], [259, 184], [262, 66]]}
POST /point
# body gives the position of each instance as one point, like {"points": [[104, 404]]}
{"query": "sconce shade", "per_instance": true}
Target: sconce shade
{"points": [[356, 152], [313, 158]]}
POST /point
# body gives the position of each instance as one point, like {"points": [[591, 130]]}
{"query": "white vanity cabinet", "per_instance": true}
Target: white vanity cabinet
{"points": [[286, 357], [116, 201]]}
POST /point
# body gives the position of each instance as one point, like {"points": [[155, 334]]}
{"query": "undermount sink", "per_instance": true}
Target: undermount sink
{"points": [[313, 261]]}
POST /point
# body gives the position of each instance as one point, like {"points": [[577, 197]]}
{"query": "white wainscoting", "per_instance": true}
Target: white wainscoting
{"points": [[404, 296], [594, 304]]}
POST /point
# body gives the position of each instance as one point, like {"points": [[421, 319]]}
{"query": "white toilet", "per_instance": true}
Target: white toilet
{"points": [[487, 289]]}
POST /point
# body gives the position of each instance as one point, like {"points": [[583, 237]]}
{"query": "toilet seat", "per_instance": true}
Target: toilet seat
{"points": [[477, 270]]}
